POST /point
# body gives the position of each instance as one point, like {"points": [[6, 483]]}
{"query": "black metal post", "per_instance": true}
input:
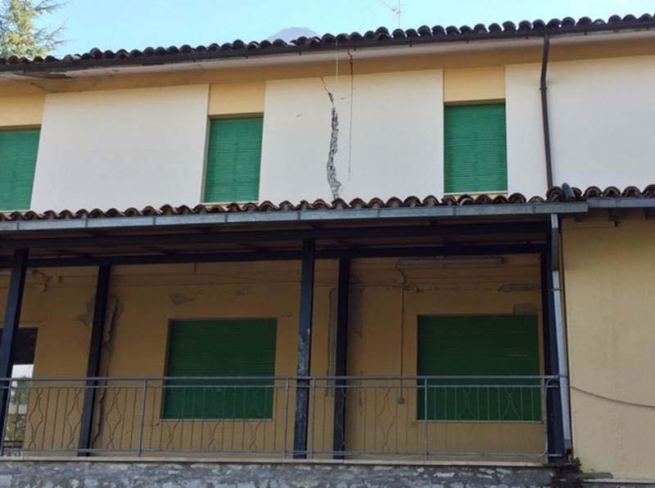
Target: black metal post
{"points": [[93, 364], [10, 332], [304, 349], [554, 425], [343, 304]]}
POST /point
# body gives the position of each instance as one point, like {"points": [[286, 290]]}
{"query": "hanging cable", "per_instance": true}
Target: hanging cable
{"points": [[350, 122]]}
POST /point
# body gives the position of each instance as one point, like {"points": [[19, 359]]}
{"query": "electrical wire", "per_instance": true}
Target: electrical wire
{"points": [[613, 400]]}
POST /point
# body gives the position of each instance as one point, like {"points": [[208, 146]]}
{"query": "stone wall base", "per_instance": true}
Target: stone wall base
{"points": [[123, 474]]}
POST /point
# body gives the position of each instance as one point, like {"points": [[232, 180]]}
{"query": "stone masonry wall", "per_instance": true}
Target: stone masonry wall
{"points": [[113, 474]]}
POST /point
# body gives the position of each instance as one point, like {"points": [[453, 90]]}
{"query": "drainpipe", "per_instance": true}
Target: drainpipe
{"points": [[560, 336], [560, 333], [544, 112]]}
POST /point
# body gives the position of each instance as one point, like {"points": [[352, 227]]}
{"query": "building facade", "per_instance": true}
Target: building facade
{"points": [[476, 290]]}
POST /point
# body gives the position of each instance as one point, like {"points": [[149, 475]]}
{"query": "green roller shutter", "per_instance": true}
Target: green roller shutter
{"points": [[479, 345], [475, 148], [233, 160], [215, 348], [18, 150]]}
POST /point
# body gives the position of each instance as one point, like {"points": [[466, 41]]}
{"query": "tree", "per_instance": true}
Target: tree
{"points": [[19, 33]]}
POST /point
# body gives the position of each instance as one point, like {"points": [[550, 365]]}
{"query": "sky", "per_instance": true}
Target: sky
{"points": [[136, 24]]}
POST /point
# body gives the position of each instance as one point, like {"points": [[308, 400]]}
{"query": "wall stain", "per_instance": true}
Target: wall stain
{"points": [[178, 299], [86, 317]]}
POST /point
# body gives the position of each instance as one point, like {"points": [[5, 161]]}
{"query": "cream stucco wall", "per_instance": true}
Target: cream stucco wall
{"points": [[101, 132], [386, 299], [124, 148], [236, 98], [610, 303], [600, 120], [474, 84], [389, 140], [526, 163], [23, 111], [149, 144]]}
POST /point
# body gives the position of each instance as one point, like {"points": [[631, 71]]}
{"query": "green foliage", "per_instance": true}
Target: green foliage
{"points": [[19, 33], [20, 391]]}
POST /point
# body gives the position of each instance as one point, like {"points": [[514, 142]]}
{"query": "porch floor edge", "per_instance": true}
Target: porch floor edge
{"points": [[339, 462], [618, 481]]}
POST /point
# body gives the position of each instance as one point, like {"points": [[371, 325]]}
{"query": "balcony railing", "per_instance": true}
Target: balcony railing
{"points": [[351, 417]]}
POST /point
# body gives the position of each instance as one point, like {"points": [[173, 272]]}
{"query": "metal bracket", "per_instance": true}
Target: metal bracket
{"points": [[614, 216]]}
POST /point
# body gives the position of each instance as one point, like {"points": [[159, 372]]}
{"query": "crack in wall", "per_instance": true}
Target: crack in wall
{"points": [[114, 312], [178, 299], [331, 170]]}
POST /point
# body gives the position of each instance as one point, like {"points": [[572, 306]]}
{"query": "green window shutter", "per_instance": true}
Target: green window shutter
{"points": [[215, 348], [479, 345], [475, 148], [18, 150], [233, 160]]}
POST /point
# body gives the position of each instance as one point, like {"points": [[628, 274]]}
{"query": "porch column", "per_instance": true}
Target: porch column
{"points": [[93, 363], [10, 332], [558, 402], [343, 295], [304, 349]]}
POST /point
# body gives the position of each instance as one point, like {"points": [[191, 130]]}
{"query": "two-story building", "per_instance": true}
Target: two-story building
{"points": [[407, 258]]}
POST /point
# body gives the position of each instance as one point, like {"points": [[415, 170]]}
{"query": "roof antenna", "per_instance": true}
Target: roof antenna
{"points": [[396, 10]]}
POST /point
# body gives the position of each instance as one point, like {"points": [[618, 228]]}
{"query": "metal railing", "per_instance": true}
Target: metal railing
{"points": [[408, 417]]}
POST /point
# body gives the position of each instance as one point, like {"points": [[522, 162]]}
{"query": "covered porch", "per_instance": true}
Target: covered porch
{"points": [[381, 332]]}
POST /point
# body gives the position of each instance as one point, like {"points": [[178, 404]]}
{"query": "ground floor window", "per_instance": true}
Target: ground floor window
{"points": [[505, 347], [204, 354]]}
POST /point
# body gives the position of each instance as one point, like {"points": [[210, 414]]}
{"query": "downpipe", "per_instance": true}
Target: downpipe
{"points": [[560, 336], [543, 87]]}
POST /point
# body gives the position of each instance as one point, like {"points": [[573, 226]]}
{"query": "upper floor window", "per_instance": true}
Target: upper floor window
{"points": [[18, 150], [475, 148], [233, 160]]}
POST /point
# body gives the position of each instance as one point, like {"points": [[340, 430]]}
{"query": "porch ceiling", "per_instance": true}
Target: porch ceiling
{"points": [[275, 241]]}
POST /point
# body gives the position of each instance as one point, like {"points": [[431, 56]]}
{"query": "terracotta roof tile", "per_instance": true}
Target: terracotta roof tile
{"points": [[378, 37], [554, 195]]}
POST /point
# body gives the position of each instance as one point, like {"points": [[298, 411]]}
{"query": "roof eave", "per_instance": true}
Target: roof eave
{"points": [[319, 49], [367, 215]]}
